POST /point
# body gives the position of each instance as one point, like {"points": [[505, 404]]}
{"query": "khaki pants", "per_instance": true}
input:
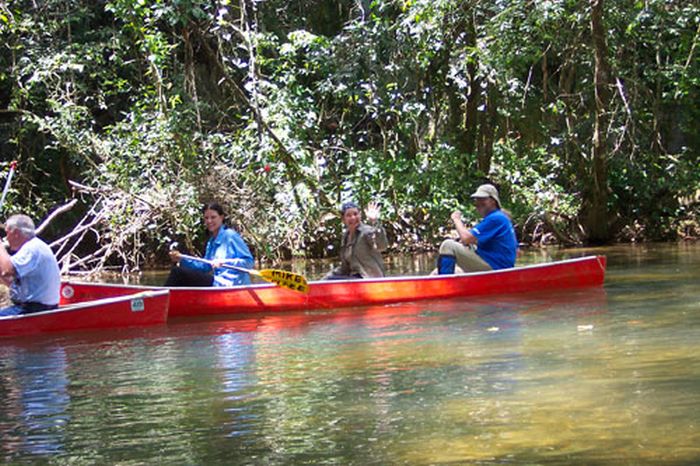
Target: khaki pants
{"points": [[467, 259]]}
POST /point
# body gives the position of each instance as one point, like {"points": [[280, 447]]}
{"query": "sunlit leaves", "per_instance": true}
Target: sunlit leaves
{"points": [[368, 100]]}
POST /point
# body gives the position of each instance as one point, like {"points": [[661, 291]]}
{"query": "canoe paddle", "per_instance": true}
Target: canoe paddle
{"points": [[289, 280]]}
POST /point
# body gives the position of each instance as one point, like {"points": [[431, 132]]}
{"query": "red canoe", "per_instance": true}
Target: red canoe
{"points": [[134, 309], [567, 274]]}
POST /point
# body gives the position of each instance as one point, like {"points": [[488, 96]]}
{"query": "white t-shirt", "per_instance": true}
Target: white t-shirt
{"points": [[37, 278]]}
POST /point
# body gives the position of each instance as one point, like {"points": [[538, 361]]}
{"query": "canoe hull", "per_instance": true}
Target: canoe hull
{"points": [[141, 309], [569, 274]]}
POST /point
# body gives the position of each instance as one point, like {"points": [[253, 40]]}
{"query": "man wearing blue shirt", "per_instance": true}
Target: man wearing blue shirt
{"points": [[31, 272], [494, 238]]}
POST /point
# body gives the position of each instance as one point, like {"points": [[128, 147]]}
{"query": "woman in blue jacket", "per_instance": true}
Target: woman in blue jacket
{"points": [[225, 245]]}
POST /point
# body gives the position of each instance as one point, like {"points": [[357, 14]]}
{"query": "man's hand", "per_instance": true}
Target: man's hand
{"points": [[465, 235], [6, 279], [7, 269]]}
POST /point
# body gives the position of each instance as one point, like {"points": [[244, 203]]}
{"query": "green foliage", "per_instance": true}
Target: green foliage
{"points": [[282, 116]]}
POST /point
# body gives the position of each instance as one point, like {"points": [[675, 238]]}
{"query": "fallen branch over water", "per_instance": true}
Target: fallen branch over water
{"points": [[115, 228]]}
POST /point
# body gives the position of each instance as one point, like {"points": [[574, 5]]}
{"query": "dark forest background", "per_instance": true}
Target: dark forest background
{"points": [[126, 115]]}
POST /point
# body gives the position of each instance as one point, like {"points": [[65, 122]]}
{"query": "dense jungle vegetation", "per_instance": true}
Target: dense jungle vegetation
{"points": [[125, 115]]}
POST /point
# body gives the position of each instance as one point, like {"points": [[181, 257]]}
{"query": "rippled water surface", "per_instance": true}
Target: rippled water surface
{"points": [[600, 376]]}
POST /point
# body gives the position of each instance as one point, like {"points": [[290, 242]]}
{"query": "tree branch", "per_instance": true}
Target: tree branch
{"points": [[64, 208]]}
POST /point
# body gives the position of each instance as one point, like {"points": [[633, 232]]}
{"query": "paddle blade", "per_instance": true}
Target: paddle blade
{"points": [[292, 281]]}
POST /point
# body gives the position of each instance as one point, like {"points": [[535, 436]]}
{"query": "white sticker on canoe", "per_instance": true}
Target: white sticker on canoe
{"points": [[67, 292], [137, 305]]}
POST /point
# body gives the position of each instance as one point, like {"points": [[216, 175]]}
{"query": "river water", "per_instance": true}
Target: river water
{"points": [[594, 377]]}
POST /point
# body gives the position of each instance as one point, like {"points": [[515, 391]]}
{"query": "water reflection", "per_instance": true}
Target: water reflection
{"points": [[368, 371], [34, 400]]}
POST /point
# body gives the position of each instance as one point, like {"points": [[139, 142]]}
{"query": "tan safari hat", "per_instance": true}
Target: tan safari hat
{"points": [[488, 190]]}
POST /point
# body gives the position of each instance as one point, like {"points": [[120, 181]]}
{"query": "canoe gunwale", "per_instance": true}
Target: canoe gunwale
{"points": [[88, 304], [408, 278]]}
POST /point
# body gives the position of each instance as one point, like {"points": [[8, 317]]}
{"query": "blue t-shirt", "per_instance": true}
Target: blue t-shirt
{"points": [[226, 245], [37, 278], [497, 244]]}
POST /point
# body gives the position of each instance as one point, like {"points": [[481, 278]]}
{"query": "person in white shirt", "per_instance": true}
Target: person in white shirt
{"points": [[31, 271]]}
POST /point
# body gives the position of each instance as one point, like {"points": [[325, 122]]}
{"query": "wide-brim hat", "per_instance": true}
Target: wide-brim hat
{"points": [[485, 191]]}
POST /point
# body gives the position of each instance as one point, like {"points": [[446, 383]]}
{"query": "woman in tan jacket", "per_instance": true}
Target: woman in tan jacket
{"points": [[362, 244]]}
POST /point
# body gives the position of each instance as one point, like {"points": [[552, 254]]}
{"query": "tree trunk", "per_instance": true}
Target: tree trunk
{"points": [[466, 138], [596, 203], [471, 123], [566, 86], [487, 131]]}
